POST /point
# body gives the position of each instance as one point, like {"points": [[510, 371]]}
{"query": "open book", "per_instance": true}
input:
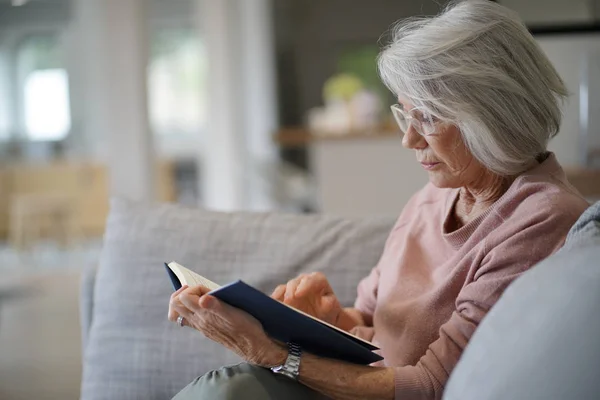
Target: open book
{"points": [[282, 322]]}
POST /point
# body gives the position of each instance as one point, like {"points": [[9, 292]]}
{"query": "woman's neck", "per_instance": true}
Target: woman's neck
{"points": [[475, 199]]}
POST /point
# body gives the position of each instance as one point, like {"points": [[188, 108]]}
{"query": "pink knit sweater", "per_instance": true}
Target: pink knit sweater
{"points": [[432, 287]]}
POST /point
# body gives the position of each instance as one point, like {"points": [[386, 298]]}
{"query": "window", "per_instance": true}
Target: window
{"points": [[44, 89], [176, 84]]}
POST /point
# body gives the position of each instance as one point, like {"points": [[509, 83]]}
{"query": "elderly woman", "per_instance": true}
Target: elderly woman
{"points": [[478, 102]]}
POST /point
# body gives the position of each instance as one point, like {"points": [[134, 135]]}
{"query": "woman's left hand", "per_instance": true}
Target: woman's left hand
{"points": [[233, 328]]}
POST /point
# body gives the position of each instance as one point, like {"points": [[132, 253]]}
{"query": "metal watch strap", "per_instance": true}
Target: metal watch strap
{"points": [[291, 367]]}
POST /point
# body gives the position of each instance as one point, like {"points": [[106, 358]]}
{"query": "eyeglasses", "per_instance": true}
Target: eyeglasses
{"points": [[423, 123]]}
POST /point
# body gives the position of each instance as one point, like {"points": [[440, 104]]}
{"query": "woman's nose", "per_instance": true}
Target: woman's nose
{"points": [[412, 139]]}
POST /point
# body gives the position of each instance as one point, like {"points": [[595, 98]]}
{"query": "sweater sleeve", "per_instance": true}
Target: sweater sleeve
{"points": [[366, 299], [509, 252]]}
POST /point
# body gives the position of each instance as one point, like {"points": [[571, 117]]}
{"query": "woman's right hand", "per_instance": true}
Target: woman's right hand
{"points": [[312, 294]]}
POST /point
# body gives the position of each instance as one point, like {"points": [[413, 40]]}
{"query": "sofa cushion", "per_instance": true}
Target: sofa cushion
{"points": [[542, 339], [133, 352]]}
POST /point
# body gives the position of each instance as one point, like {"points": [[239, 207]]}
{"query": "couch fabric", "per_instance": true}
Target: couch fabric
{"points": [[131, 351], [542, 339]]}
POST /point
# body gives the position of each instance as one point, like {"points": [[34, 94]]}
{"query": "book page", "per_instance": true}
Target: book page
{"points": [[190, 278]]}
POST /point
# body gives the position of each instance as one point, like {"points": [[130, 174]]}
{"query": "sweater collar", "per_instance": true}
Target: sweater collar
{"points": [[458, 237]]}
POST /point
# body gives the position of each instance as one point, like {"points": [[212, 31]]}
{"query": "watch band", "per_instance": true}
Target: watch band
{"points": [[291, 367]]}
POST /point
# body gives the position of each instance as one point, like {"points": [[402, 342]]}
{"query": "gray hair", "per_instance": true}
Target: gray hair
{"points": [[476, 65]]}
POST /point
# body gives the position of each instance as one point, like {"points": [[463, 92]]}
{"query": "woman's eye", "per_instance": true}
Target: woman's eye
{"points": [[425, 119], [430, 120]]}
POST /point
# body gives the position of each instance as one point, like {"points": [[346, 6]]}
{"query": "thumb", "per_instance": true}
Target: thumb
{"points": [[208, 302]]}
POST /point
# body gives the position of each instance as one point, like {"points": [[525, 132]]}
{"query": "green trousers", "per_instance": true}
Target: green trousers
{"points": [[248, 382]]}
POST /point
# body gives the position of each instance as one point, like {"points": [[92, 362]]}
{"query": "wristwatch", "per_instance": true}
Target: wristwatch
{"points": [[291, 367]]}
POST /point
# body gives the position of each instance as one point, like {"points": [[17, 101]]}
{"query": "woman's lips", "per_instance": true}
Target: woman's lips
{"points": [[429, 165]]}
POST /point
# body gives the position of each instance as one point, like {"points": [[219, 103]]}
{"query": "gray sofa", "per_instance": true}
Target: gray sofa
{"points": [[541, 334]]}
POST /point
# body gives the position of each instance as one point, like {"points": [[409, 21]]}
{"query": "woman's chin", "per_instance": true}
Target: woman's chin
{"points": [[442, 181]]}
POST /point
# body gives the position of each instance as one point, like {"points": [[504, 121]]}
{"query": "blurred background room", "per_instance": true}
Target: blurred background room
{"points": [[256, 105]]}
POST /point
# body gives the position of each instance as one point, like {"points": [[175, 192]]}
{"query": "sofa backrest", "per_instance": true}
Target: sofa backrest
{"points": [[132, 352]]}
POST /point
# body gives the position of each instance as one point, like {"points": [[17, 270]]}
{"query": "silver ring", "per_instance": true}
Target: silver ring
{"points": [[180, 321]]}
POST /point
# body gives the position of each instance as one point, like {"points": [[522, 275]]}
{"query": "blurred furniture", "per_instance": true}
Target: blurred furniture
{"points": [[361, 173], [132, 352], [33, 216], [587, 181], [43, 187], [364, 175], [370, 173]]}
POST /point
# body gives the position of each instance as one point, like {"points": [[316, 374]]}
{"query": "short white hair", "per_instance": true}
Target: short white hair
{"points": [[476, 65]]}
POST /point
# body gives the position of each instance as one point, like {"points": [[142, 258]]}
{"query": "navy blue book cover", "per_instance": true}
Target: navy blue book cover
{"points": [[288, 325]]}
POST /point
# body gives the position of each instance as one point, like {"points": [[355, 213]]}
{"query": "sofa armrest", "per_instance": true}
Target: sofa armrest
{"points": [[86, 301]]}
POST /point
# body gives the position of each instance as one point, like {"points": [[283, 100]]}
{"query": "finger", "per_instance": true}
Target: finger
{"points": [[209, 302], [315, 282], [306, 286], [172, 315], [214, 305], [290, 289], [178, 291], [184, 322], [186, 319], [198, 290], [191, 295], [182, 310], [319, 276], [174, 305], [279, 292], [190, 300]]}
